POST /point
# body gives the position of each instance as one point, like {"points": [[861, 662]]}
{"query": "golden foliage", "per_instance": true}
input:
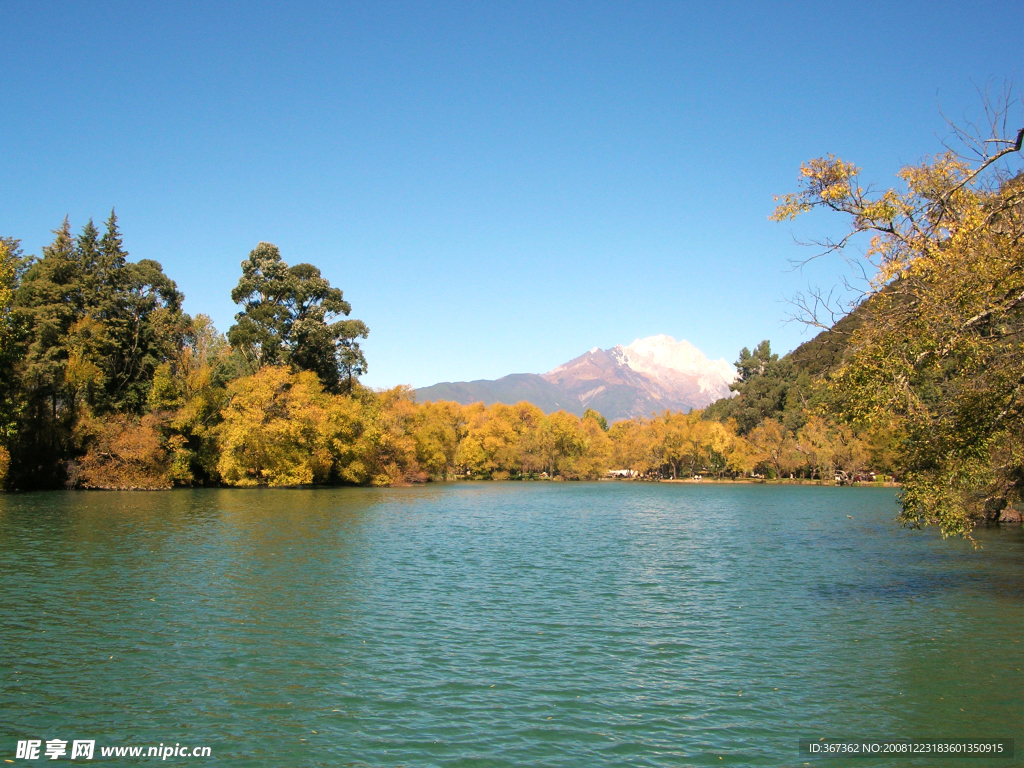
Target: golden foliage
{"points": [[273, 432], [124, 452], [281, 428], [438, 430], [376, 445], [934, 375]]}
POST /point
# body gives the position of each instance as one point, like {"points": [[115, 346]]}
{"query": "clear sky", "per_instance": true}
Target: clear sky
{"points": [[497, 187]]}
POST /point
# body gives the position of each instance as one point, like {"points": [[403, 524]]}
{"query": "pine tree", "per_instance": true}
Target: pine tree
{"points": [[98, 326]]}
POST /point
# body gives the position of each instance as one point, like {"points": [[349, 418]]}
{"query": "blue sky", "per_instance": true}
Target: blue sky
{"points": [[497, 187]]}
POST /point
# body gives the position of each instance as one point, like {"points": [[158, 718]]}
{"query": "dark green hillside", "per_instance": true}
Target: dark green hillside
{"points": [[781, 388]]}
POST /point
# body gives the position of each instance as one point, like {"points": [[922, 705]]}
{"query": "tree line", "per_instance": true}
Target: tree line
{"points": [[108, 383]]}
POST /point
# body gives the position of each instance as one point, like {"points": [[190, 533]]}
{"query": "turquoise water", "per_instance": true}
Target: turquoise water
{"points": [[502, 624]]}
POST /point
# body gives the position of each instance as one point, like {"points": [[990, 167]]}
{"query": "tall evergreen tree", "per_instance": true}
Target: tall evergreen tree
{"points": [[113, 256], [48, 303], [292, 316], [12, 265], [98, 326], [49, 299], [87, 252]]}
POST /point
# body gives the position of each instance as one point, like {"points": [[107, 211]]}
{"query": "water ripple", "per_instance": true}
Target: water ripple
{"points": [[501, 624]]}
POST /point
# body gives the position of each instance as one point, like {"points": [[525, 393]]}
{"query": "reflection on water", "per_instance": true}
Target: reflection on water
{"points": [[504, 623]]}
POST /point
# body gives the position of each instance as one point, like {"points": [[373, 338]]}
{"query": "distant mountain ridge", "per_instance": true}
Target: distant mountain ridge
{"points": [[624, 382]]}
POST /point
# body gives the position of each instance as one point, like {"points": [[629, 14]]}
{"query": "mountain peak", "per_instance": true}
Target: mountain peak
{"points": [[649, 375], [664, 351]]}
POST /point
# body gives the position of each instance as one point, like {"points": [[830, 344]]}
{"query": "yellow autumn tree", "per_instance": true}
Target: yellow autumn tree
{"points": [[273, 430], [775, 447], [385, 446], [491, 443], [561, 443], [937, 359], [438, 429], [630, 445], [188, 394], [501, 440], [817, 443], [720, 441], [595, 461], [124, 452]]}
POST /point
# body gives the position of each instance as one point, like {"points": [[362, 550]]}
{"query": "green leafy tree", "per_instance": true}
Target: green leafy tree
{"points": [[99, 325], [602, 422], [754, 363], [292, 316], [48, 303], [147, 327], [767, 387]]}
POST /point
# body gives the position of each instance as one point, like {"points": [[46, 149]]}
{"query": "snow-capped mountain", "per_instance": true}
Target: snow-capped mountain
{"points": [[676, 363], [623, 382]]}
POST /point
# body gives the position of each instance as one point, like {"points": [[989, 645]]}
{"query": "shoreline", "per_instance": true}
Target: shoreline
{"points": [[783, 481]]}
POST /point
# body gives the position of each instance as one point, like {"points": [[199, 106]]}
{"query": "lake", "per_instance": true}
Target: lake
{"points": [[502, 624]]}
